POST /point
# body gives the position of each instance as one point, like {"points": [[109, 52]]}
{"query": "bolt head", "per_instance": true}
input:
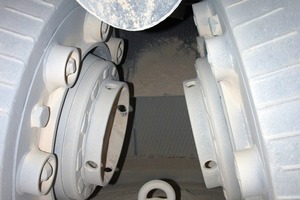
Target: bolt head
{"points": [[47, 172], [40, 116], [71, 66], [120, 53], [104, 28], [215, 25]]}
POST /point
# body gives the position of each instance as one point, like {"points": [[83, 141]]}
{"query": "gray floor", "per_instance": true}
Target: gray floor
{"points": [[183, 174]]}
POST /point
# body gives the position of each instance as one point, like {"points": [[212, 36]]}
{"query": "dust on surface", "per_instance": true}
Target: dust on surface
{"points": [[161, 67], [130, 14]]}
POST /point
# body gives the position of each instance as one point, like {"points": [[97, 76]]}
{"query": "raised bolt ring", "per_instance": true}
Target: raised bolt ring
{"points": [[61, 67], [36, 173]]}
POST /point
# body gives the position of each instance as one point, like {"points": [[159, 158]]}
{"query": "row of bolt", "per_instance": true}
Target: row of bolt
{"points": [[219, 55], [212, 43], [61, 70]]}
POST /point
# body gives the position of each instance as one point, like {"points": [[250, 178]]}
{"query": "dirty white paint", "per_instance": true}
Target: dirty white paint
{"points": [[161, 68], [132, 15]]}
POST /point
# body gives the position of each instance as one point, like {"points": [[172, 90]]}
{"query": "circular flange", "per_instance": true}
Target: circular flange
{"points": [[130, 15], [91, 130]]}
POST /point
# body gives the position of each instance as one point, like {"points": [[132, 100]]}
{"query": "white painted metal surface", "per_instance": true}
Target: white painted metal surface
{"points": [[245, 97], [255, 82], [53, 53], [91, 130]]}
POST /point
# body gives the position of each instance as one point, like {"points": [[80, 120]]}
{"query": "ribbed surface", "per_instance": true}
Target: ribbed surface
{"points": [[268, 41], [161, 128], [25, 29], [20, 28]]}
